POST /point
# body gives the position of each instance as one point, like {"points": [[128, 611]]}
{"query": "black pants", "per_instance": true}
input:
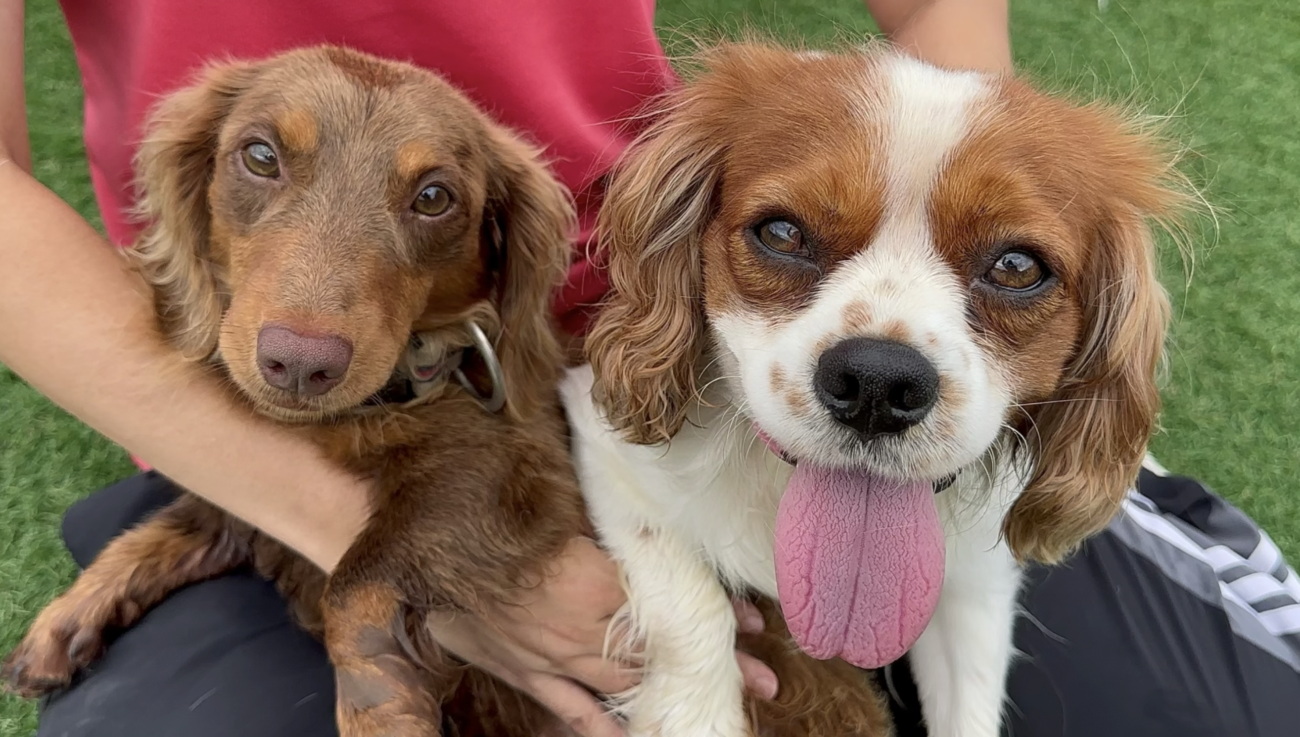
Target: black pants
{"points": [[216, 659], [1137, 635]]}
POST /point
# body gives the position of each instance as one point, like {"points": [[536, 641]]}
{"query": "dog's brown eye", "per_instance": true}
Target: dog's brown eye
{"points": [[783, 237], [260, 159], [432, 201], [1016, 271]]}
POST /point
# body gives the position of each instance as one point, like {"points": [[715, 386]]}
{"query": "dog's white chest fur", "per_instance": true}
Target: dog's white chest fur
{"points": [[716, 485]]}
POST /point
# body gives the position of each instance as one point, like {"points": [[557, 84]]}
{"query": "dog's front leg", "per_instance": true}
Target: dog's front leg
{"points": [[692, 685], [385, 688], [962, 658], [185, 542], [382, 689]]}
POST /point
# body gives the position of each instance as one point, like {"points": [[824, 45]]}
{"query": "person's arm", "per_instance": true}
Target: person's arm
{"points": [[79, 327], [13, 100], [964, 34]]}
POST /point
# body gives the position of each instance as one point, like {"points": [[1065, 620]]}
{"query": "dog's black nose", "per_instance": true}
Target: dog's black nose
{"points": [[876, 387]]}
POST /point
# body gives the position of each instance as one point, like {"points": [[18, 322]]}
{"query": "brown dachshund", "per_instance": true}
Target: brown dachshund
{"points": [[370, 260]]}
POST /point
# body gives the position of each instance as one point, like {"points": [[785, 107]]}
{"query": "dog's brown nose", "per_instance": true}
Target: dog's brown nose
{"points": [[304, 365]]}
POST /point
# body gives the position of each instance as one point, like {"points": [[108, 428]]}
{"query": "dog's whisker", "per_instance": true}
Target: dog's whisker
{"points": [[1080, 400]]}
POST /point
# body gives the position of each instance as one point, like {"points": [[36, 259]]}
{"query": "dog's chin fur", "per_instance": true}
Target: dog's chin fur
{"points": [[291, 416], [284, 407]]}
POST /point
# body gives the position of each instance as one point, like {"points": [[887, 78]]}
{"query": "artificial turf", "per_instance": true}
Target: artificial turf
{"points": [[1229, 70]]}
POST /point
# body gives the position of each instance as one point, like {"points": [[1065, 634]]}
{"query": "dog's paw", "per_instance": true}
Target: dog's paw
{"points": [[386, 697], [386, 725], [688, 717], [64, 639]]}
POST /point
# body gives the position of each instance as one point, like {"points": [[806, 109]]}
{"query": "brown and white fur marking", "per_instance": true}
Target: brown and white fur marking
{"points": [[904, 187]]}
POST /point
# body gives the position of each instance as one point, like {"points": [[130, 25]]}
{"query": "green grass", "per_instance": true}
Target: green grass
{"points": [[1230, 69]]}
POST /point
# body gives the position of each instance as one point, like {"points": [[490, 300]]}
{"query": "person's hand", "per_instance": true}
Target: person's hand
{"points": [[550, 643]]}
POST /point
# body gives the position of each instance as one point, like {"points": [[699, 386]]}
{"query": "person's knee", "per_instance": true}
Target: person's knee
{"points": [[215, 659], [89, 524]]}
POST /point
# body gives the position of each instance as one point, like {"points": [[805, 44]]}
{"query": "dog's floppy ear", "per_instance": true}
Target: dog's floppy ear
{"points": [[646, 344], [530, 216], [174, 167], [1088, 440]]}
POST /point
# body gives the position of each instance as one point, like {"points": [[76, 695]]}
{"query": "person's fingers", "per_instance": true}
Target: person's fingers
{"points": [[579, 709], [589, 575], [748, 617], [604, 676], [760, 680]]}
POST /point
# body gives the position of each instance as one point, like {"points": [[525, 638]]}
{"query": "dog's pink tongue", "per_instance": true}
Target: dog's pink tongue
{"points": [[859, 563]]}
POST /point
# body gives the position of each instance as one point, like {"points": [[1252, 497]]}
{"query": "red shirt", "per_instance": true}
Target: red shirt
{"points": [[566, 72]]}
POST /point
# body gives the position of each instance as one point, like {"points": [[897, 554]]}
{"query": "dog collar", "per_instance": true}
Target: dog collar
{"points": [[426, 368]]}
